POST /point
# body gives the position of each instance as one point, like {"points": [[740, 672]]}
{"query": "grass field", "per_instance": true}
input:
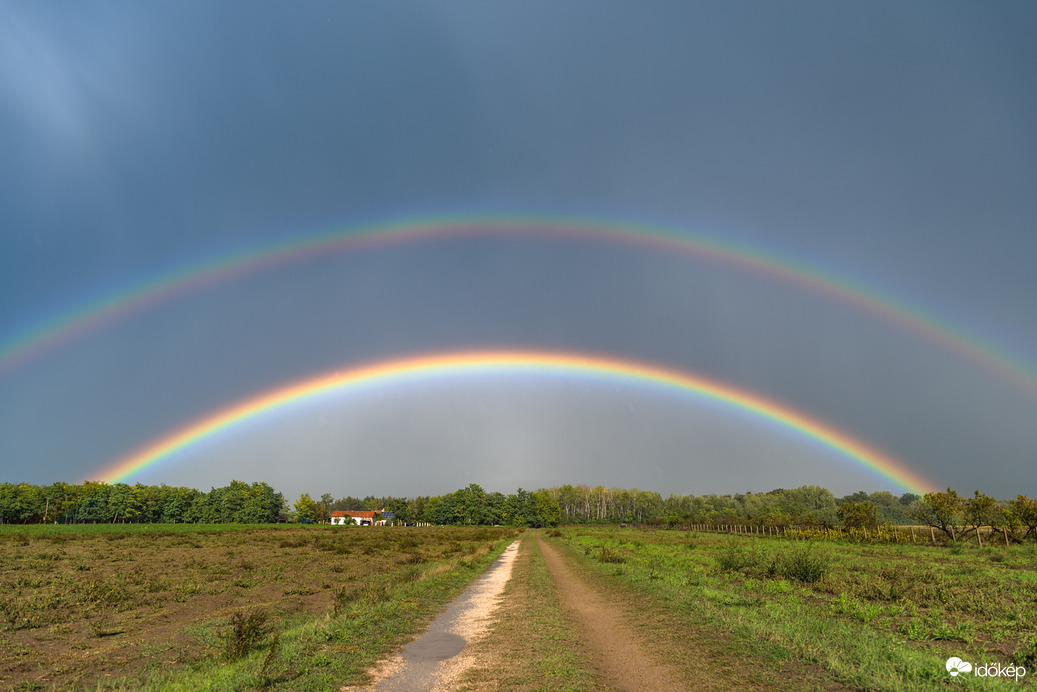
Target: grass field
{"points": [[220, 607], [190, 607], [874, 616]]}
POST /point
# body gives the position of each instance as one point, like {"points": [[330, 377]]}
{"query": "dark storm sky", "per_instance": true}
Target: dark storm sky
{"points": [[889, 144]]}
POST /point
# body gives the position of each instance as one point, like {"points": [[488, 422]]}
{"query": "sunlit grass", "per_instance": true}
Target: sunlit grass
{"points": [[874, 617]]}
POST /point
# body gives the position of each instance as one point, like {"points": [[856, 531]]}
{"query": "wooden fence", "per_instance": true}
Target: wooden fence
{"points": [[880, 534]]}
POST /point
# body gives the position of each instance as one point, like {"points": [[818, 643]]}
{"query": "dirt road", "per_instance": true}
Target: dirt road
{"points": [[599, 649], [615, 651], [560, 625]]}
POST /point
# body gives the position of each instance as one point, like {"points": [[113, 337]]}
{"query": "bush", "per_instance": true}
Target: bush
{"points": [[738, 558], [610, 555], [803, 564], [248, 632]]}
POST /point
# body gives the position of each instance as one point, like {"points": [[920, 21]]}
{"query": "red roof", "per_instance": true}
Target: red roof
{"points": [[362, 513]]}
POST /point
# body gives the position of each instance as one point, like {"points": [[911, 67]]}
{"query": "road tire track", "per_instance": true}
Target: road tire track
{"points": [[614, 649]]}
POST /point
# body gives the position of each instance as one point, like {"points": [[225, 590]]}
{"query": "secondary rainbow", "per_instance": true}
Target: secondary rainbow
{"points": [[78, 321], [531, 363]]}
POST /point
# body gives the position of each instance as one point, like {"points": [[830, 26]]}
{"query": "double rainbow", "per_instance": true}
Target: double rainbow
{"points": [[454, 365], [31, 343]]}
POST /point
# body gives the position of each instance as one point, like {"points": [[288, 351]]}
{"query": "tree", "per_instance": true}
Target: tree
{"points": [[347, 503], [305, 508], [1024, 511], [981, 510], [400, 508], [908, 499], [324, 506], [568, 500], [939, 510], [516, 508], [417, 508], [493, 511], [470, 504], [883, 498], [858, 515], [544, 510], [432, 513], [859, 496]]}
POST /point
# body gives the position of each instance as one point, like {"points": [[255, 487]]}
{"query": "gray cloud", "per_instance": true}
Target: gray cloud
{"points": [[887, 144]]}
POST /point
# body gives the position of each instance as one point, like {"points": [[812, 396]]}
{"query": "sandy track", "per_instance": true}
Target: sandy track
{"points": [[615, 650], [436, 659]]}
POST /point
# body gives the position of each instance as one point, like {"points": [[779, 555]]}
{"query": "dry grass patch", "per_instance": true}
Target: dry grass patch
{"points": [[83, 606]]}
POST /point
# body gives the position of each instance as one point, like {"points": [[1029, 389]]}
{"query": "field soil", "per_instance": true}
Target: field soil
{"points": [[586, 608], [78, 608]]}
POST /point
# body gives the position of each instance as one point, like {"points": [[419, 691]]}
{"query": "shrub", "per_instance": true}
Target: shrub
{"points": [[610, 555], [803, 564], [248, 632], [738, 558]]}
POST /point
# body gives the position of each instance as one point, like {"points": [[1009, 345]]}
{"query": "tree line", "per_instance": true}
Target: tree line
{"points": [[956, 516], [808, 504], [95, 502], [465, 507], [256, 503], [259, 503], [585, 504]]}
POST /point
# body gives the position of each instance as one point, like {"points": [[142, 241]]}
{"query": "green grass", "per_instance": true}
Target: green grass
{"points": [[876, 617]]}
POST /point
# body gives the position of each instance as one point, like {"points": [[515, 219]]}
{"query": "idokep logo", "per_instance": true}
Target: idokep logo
{"points": [[956, 666]]}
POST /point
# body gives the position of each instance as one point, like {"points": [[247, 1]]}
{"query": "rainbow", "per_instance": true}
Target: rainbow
{"points": [[78, 321], [498, 362]]}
